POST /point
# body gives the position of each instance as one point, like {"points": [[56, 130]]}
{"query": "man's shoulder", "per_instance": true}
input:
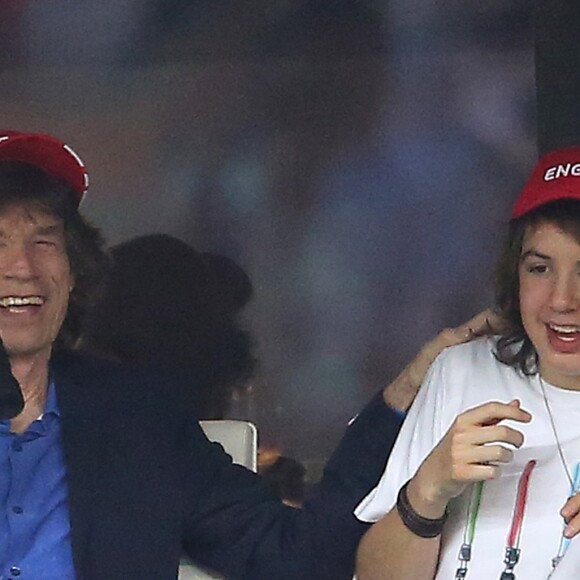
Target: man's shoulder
{"points": [[131, 410], [118, 384], [85, 365], [86, 368]]}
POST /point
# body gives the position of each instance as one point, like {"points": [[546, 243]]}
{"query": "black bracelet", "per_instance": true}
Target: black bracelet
{"points": [[420, 526]]}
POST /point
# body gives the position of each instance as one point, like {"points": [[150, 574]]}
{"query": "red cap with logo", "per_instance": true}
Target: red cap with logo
{"points": [[556, 176], [50, 155]]}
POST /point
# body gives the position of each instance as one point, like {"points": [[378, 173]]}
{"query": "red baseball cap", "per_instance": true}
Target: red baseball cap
{"points": [[48, 154], [555, 176]]}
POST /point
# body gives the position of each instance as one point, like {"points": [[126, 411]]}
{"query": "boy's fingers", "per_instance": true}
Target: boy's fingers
{"points": [[494, 412]]}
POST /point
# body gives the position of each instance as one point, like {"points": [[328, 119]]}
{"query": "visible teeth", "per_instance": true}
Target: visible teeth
{"points": [[21, 301], [564, 329]]}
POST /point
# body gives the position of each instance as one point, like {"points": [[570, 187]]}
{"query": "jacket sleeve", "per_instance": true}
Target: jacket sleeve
{"points": [[234, 524]]}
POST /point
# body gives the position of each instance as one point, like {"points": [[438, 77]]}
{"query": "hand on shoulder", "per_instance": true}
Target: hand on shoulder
{"points": [[402, 391]]}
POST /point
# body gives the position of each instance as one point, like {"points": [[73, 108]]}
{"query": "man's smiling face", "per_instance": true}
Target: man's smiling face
{"points": [[35, 280]]}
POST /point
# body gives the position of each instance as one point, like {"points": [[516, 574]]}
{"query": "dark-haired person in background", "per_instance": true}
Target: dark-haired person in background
{"points": [[105, 477], [169, 306]]}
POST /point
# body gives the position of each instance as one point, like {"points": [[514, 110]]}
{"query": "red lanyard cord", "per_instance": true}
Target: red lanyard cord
{"points": [[512, 551]]}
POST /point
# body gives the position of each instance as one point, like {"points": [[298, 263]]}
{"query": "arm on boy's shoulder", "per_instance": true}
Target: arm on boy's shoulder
{"points": [[400, 394], [360, 458]]}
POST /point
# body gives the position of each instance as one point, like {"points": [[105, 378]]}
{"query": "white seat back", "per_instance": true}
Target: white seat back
{"points": [[238, 438]]}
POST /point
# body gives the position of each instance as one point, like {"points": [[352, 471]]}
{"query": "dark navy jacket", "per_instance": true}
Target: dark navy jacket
{"points": [[145, 484]]}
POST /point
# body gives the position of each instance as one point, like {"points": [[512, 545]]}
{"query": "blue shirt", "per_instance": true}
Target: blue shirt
{"points": [[34, 522]]}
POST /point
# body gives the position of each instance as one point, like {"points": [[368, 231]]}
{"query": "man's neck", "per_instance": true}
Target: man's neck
{"points": [[32, 375]]}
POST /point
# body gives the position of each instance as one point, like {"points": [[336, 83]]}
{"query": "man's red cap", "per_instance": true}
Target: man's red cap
{"points": [[555, 176], [48, 154]]}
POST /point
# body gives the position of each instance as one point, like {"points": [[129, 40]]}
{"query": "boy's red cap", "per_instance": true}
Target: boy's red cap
{"points": [[48, 154], [555, 176]]}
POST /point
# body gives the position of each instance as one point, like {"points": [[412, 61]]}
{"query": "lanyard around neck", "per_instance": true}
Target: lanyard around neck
{"points": [[512, 551]]}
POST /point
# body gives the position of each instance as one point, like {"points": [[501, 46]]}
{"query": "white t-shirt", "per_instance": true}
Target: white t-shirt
{"points": [[461, 378]]}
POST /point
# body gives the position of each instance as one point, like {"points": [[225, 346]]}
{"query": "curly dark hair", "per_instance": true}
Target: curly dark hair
{"points": [[24, 184], [169, 305], [514, 347]]}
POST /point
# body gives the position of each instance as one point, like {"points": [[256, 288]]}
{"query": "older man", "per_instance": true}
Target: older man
{"points": [[102, 474]]}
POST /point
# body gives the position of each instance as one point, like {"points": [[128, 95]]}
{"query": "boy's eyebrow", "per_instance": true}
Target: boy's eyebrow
{"points": [[533, 254]]}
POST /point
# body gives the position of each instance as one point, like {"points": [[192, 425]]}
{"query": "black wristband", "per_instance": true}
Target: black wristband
{"points": [[416, 523]]}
